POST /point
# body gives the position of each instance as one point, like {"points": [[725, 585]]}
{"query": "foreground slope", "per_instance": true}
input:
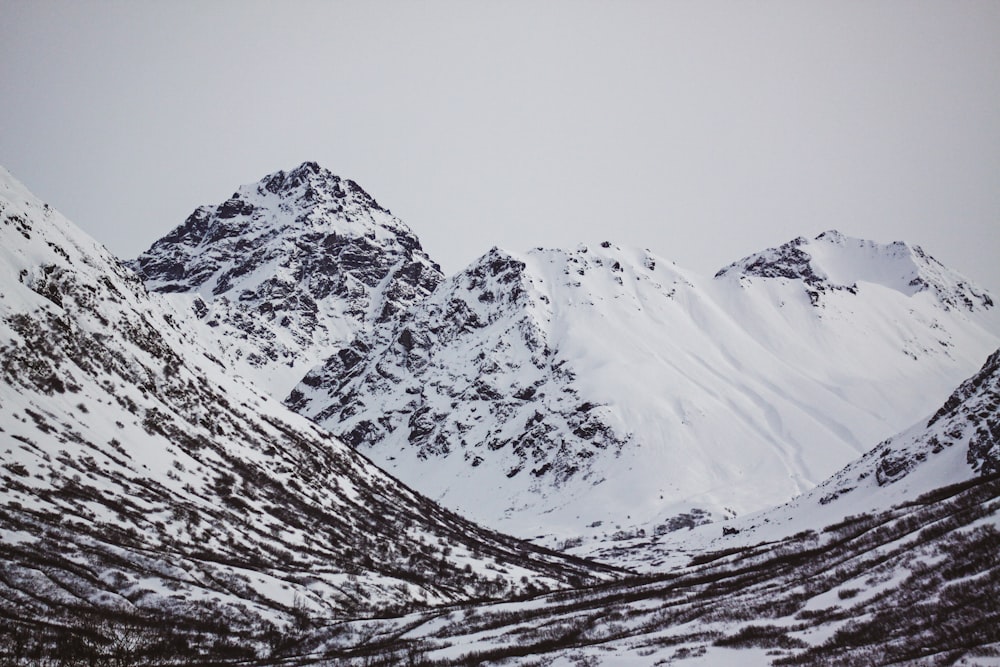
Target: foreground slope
{"points": [[900, 568], [138, 480], [287, 267], [606, 393]]}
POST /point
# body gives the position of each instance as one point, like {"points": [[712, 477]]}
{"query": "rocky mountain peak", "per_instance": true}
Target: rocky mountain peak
{"points": [[300, 260], [833, 261], [307, 205], [311, 183]]}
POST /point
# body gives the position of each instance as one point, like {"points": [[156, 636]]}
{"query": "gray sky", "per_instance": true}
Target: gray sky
{"points": [[702, 130]]}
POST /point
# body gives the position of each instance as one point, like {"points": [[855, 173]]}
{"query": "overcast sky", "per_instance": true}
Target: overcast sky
{"points": [[701, 130]]}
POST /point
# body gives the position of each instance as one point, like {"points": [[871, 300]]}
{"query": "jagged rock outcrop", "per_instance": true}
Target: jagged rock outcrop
{"points": [[286, 268]]}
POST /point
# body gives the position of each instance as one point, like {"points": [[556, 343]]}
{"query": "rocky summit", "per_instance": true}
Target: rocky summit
{"points": [[297, 263]]}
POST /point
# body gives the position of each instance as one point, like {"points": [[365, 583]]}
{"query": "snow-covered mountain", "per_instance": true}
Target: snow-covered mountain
{"points": [[286, 268], [605, 391], [833, 261], [158, 506], [890, 561], [139, 479]]}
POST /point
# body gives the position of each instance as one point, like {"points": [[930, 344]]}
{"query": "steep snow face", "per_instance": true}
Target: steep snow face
{"points": [[138, 477], [949, 450], [961, 441], [296, 263], [604, 391]]}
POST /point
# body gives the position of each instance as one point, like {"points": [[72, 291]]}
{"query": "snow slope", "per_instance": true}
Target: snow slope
{"points": [[890, 561], [139, 477], [603, 392], [289, 266], [957, 444]]}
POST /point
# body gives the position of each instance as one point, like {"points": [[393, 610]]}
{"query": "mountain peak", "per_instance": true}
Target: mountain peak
{"points": [[307, 207], [310, 182], [310, 167], [834, 261], [298, 261]]}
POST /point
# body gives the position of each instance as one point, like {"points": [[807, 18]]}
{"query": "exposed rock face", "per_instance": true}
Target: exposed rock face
{"points": [[297, 263], [972, 414], [492, 317]]}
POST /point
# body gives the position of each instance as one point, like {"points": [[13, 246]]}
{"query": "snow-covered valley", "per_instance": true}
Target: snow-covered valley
{"points": [[297, 442]]}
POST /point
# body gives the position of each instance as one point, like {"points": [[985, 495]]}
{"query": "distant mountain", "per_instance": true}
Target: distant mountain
{"points": [[604, 391], [289, 266], [140, 481], [833, 261]]}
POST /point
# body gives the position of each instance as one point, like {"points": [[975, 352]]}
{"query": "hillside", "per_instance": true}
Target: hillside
{"points": [[145, 487]]}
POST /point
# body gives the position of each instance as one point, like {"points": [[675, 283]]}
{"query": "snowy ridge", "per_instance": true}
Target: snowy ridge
{"points": [[833, 261], [288, 266], [140, 479], [556, 392]]}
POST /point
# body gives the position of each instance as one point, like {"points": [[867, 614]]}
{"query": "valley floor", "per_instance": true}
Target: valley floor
{"points": [[912, 585]]}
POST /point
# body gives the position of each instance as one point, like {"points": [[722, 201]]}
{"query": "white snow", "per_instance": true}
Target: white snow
{"points": [[727, 395]]}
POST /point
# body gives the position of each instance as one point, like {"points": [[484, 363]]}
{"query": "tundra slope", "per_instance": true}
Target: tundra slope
{"points": [[287, 267], [605, 393], [140, 480]]}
